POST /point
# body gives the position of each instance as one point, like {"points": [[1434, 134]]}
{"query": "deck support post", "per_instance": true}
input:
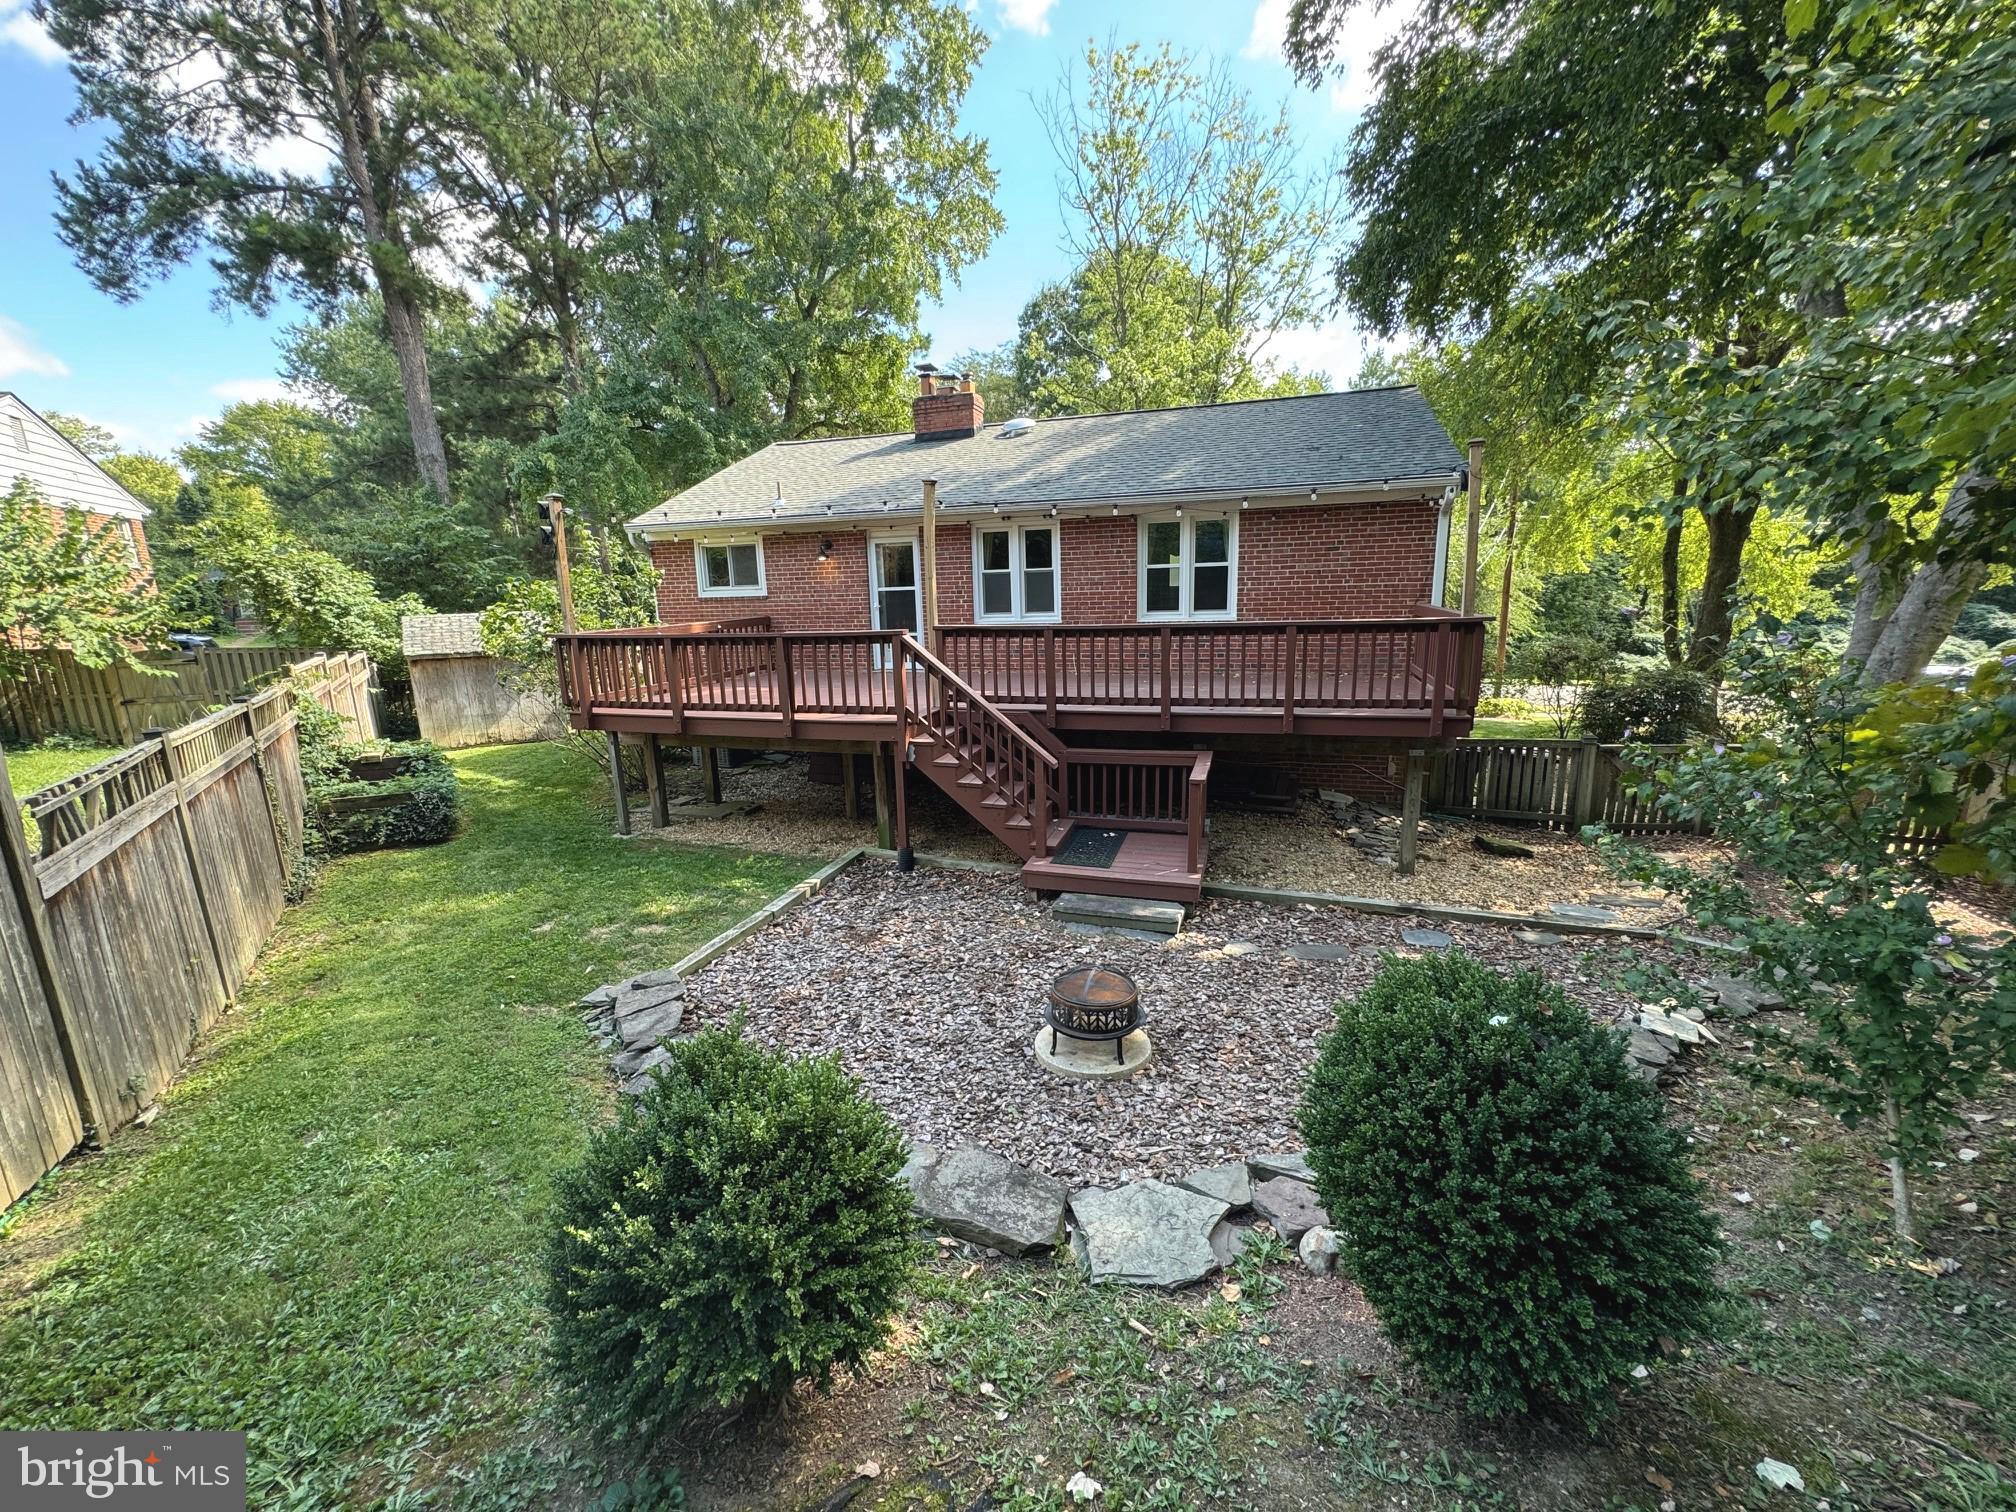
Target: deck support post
{"points": [[899, 753], [710, 772], [654, 781], [1410, 810], [850, 783], [616, 782], [885, 824]]}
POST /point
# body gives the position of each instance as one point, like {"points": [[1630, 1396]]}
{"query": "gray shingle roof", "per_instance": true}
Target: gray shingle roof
{"points": [[422, 635], [1364, 436]]}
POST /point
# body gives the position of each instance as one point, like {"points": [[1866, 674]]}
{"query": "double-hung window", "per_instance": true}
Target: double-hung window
{"points": [[1015, 572], [729, 569], [1189, 565]]}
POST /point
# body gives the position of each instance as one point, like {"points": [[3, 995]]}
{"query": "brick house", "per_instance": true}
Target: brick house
{"points": [[65, 479], [1259, 580]]}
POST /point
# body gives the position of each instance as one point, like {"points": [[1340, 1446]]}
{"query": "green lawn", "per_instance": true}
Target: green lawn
{"points": [[333, 1236], [1515, 729], [32, 768]]}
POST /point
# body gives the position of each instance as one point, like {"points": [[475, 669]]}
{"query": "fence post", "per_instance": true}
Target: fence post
{"points": [[20, 870], [182, 823], [1410, 812], [1587, 756], [270, 788], [616, 783]]}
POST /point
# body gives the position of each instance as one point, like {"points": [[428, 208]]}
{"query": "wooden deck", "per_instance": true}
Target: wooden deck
{"points": [[1151, 864]]}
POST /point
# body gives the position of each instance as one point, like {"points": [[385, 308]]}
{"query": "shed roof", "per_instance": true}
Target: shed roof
{"points": [[1365, 437], [425, 635], [32, 448]]}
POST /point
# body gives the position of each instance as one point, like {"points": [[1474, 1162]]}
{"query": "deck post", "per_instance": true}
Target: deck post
{"points": [[710, 772], [1410, 811], [850, 782], [899, 753], [616, 782], [885, 827], [654, 781]]}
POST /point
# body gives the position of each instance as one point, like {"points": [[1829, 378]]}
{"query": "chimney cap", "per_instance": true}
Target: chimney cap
{"points": [[927, 367]]}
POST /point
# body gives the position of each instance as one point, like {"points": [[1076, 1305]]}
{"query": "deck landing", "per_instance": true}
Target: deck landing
{"points": [[1152, 864]]}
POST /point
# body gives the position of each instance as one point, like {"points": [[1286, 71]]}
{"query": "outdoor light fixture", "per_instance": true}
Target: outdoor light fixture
{"points": [[1179, 511], [1312, 496], [1244, 502], [825, 547]]}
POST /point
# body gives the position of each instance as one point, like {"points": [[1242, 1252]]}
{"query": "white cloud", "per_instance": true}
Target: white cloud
{"points": [[1365, 31], [20, 29], [1270, 31], [1032, 16], [20, 354], [250, 390], [1336, 350]]}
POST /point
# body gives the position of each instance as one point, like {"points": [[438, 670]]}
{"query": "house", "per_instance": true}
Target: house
{"points": [[64, 478], [1064, 622], [460, 694]]}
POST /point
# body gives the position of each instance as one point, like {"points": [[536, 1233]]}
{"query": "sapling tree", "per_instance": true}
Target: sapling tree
{"points": [[1899, 1021]]}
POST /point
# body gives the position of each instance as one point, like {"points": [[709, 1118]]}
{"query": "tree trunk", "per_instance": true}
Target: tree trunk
{"points": [[1901, 1217], [1669, 592], [408, 330], [1505, 591], [1925, 611], [1728, 533]]}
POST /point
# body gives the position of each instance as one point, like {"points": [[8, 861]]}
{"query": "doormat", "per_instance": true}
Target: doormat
{"points": [[1086, 846]]}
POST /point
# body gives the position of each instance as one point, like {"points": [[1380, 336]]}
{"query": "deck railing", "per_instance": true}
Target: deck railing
{"points": [[1145, 790], [1429, 662], [724, 673]]}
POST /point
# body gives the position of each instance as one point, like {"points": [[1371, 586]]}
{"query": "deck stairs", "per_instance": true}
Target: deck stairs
{"points": [[1012, 777]]}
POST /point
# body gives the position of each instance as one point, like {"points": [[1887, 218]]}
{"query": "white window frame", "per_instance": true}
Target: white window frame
{"points": [[1187, 559], [1017, 612], [700, 584], [131, 538]]}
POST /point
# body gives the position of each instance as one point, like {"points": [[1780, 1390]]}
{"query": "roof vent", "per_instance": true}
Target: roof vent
{"points": [[1021, 425]]}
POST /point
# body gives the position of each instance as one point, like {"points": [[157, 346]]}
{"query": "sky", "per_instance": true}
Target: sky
{"points": [[153, 371]]}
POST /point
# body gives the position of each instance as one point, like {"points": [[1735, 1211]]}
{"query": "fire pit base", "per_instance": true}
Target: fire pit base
{"points": [[1092, 1060]]}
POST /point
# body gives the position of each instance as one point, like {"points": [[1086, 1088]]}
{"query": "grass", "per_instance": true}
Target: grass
{"points": [[32, 768], [333, 1235], [1515, 729]]}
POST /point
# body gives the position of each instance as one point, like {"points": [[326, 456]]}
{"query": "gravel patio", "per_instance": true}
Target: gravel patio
{"points": [[930, 986]]}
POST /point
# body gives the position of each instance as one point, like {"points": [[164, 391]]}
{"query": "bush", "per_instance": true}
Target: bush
{"points": [[417, 806], [741, 1227], [1660, 705], [1505, 1190]]}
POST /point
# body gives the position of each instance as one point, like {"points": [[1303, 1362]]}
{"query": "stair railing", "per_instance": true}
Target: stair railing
{"points": [[944, 703]]}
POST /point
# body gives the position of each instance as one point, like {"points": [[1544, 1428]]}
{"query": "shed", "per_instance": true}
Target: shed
{"points": [[460, 695]]}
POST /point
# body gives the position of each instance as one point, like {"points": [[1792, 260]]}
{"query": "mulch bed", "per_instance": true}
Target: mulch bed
{"points": [[930, 986]]}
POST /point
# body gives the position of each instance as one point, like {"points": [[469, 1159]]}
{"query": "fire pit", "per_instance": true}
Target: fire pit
{"points": [[1088, 1006]]}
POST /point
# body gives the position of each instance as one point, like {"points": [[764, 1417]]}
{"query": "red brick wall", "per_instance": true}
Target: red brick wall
{"points": [[1340, 561]]}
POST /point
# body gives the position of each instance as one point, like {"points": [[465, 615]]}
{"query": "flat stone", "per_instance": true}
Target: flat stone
{"points": [[1318, 1250], [1626, 900], [645, 1028], [1294, 1164], [1582, 913], [602, 997], [665, 977], [637, 1076], [1230, 1184], [1648, 1048], [974, 1194], [635, 1000], [1108, 932], [1118, 913], [1426, 939], [1291, 1206], [1092, 1060], [1739, 998], [1241, 948], [1538, 937], [1491, 845], [1671, 1026], [1229, 1240], [1318, 950], [1147, 1233], [917, 1159]]}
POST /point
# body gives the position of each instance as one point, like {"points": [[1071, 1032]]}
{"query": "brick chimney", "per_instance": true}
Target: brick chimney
{"points": [[947, 405]]}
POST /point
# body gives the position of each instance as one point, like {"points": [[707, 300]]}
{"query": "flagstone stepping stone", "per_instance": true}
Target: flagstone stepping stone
{"points": [[1538, 937], [1241, 948], [1582, 913], [1426, 939], [1291, 1206], [1290, 1163], [1491, 845], [1147, 1233], [1740, 999], [974, 1194], [1231, 1184], [1318, 950]]}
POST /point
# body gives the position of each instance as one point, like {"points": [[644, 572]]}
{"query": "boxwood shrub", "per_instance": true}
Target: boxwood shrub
{"points": [[1506, 1191], [741, 1227], [417, 806]]}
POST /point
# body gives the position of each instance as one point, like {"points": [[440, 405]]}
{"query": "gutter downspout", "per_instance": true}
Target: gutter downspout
{"points": [[1442, 539]]}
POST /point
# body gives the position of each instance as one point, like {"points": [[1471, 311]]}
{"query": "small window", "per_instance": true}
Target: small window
{"points": [[17, 432], [1015, 573], [132, 541], [1189, 565], [729, 568]]}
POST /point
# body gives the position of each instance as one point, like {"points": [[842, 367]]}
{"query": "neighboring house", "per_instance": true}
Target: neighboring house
{"points": [[1257, 578], [460, 695], [65, 478]]}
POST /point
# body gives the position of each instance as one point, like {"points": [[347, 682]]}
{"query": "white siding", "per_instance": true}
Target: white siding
{"points": [[31, 448]]}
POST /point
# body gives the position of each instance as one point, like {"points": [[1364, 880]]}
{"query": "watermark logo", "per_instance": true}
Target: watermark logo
{"points": [[158, 1472]]}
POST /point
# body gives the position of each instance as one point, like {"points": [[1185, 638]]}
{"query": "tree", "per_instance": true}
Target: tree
{"points": [[1899, 1021], [214, 111], [284, 447], [62, 583], [1198, 238], [1520, 149], [152, 480]]}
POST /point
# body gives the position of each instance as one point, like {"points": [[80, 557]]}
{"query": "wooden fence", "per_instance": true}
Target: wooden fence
{"points": [[1558, 784], [57, 694], [158, 877]]}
